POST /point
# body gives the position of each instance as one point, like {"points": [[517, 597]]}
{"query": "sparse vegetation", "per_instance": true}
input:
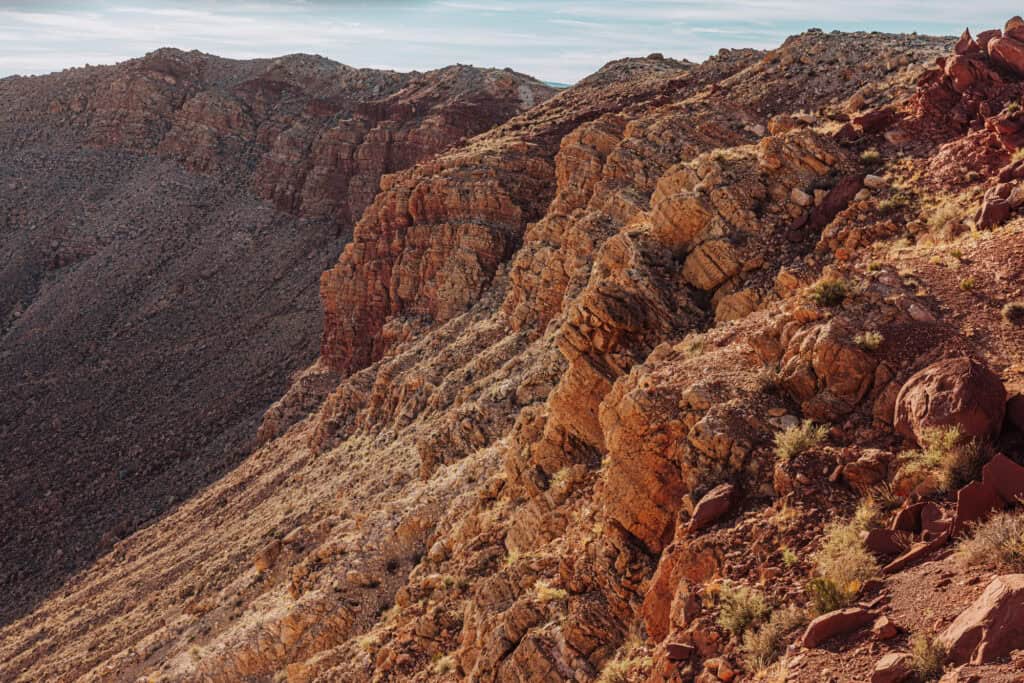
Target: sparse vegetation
{"points": [[928, 657], [968, 283], [764, 645], [997, 542], [871, 157], [740, 607], [1013, 312], [828, 292], [948, 456], [843, 564], [624, 663], [789, 558], [942, 214], [791, 442], [548, 593], [512, 557], [1017, 156], [1012, 108], [869, 340], [443, 665]]}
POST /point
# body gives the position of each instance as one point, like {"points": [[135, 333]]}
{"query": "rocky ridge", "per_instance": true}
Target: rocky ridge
{"points": [[163, 223], [564, 418]]}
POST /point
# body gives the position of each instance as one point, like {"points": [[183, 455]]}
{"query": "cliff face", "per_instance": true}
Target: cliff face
{"points": [[163, 223], [618, 390]]}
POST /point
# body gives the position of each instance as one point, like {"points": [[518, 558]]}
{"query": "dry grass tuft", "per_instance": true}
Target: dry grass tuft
{"points": [[997, 542], [791, 442]]}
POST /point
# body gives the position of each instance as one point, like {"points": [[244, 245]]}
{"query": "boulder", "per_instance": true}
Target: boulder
{"points": [[994, 211], [713, 505], [985, 37], [837, 623], [991, 627], [966, 45], [957, 392], [1008, 53], [1014, 28], [893, 668]]}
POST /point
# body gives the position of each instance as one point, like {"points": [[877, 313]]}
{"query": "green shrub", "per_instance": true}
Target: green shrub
{"points": [[945, 453], [791, 442], [762, 646], [842, 564], [828, 292], [968, 283], [997, 542], [740, 607], [928, 657]]}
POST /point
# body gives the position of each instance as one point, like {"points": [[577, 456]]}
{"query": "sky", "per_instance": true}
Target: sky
{"points": [[554, 40]]}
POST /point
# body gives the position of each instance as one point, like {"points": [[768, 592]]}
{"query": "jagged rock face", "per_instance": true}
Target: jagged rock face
{"points": [[163, 224]]}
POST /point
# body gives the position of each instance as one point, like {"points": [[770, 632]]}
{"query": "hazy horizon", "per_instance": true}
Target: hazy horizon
{"points": [[560, 41]]}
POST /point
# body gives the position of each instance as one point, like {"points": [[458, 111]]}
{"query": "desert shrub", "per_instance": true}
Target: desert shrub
{"points": [[869, 340], [942, 214], [1013, 312], [548, 593], [793, 441], [997, 542], [765, 644], [1012, 108], [740, 607], [945, 453], [871, 157], [620, 667], [828, 292], [928, 657], [789, 557], [842, 564], [968, 283], [443, 665], [1018, 155]]}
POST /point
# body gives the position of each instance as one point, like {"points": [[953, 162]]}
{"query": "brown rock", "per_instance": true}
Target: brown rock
{"points": [[954, 392], [965, 44], [1014, 28], [974, 502], [884, 628], [894, 667], [885, 542], [1007, 52], [985, 37], [1005, 476], [715, 503], [994, 211], [679, 652], [837, 623], [991, 627], [915, 553]]}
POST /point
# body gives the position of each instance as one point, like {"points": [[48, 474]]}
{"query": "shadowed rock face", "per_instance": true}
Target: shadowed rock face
{"points": [[163, 225]]}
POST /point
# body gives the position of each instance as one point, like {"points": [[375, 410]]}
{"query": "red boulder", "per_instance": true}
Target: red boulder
{"points": [[956, 392]]}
